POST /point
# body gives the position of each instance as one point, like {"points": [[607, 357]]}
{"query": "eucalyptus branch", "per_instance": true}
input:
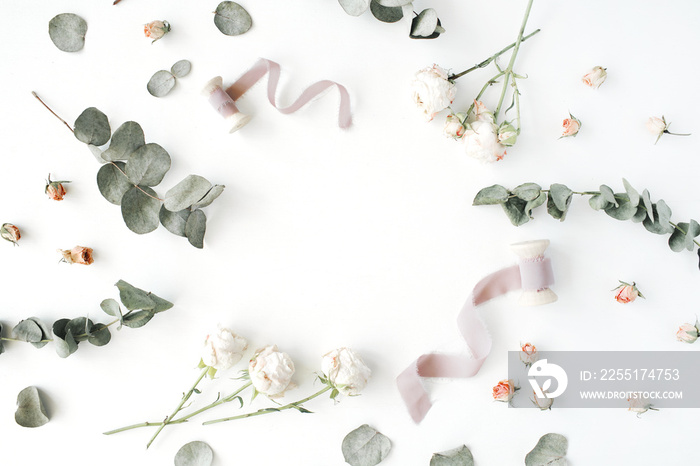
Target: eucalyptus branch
{"points": [[295, 405], [519, 203]]}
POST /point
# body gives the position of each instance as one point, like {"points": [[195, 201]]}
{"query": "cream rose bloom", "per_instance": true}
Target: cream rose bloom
{"points": [[687, 333], [528, 354], [223, 349], [595, 77], [481, 141], [656, 126], [346, 371], [432, 91], [271, 371]]}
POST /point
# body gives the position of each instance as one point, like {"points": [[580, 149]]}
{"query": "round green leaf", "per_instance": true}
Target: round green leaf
{"points": [[425, 23], [27, 330], [561, 196], [99, 335], [624, 210], [598, 202], [79, 328], [533, 204], [111, 307], [181, 68], [92, 127], [354, 7], [458, 457], [365, 446], [45, 333], [174, 222], [516, 210], [528, 191], [495, 194], [126, 139], [194, 454], [161, 83], [195, 228], [63, 340], [386, 14], [632, 193], [148, 165], [659, 219], [67, 32], [232, 19], [112, 182], [549, 451], [188, 191], [30, 410], [140, 210], [209, 197]]}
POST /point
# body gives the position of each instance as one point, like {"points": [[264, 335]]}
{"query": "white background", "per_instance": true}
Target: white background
{"points": [[325, 238]]}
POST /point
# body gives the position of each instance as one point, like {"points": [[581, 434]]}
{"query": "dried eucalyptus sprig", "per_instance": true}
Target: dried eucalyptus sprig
{"points": [[68, 333], [425, 25], [519, 203], [131, 168]]}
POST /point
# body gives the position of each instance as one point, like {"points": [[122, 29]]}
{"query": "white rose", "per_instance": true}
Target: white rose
{"points": [[346, 371], [223, 349], [481, 141], [271, 371], [656, 125], [432, 91], [453, 126]]}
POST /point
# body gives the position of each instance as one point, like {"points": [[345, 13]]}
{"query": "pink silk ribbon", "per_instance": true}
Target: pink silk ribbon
{"points": [[264, 66], [529, 275]]}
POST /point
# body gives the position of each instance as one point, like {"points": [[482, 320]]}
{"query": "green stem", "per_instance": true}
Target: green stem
{"points": [[185, 397], [294, 405], [486, 62], [481, 92], [509, 69], [182, 419]]}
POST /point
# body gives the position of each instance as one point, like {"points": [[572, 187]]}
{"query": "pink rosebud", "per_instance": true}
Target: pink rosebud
{"points": [[528, 354], [156, 29], [55, 189], [77, 255], [10, 233], [687, 333], [595, 77], [571, 125], [504, 391], [453, 126], [627, 293]]}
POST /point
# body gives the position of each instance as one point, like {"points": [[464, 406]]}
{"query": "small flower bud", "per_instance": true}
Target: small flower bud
{"points": [[55, 189], [528, 354], [453, 126], [504, 391], [687, 333], [10, 233], [627, 293], [571, 125], [507, 134], [156, 29], [595, 77], [77, 255]]}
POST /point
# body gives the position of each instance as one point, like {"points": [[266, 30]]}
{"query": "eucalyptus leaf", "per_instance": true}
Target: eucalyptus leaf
{"points": [[111, 307], [624, 210], [549, 451], [365, 446], [608, 194], [134, 298], [45, 333], [528, 191], [515, 209], [99, 335], [195, 228], [425, 24], [92, 127], [194, 454], [63, 340], [457, 457], [97, 152], [138, 319], [27, 330], [598, 202], [67, 32], [632, 193], [640, 215], [79, 328], [161, 83], [561, 196], [659, 221], [386, 14], [391, 3], [174, 222], [148, 165], [161, 304], [188, 191], [209, 197], [232, 19], [30, 410], [495, 194], [354, 7], [125, 140], [181, 68], [683, 236], [535, 203], [648, 205], [140, 209], [553, 210], [112, 182]]}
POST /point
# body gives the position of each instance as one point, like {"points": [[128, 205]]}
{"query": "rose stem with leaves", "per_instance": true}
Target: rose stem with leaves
{"points": [[185, 418], [295, 405], [72, 131]]}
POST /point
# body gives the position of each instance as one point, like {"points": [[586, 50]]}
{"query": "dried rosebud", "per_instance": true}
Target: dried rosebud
{"points": [[345, 371], [504, 391], [10, 233], [432, 90], [55, 189], [571, 125], [507, 134], [687, 333], [595, 77], [543, 403], [528, 354], [156, 29], [627, 293], [453, 126], [77, 255], [271, 371], [223, 349]]}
